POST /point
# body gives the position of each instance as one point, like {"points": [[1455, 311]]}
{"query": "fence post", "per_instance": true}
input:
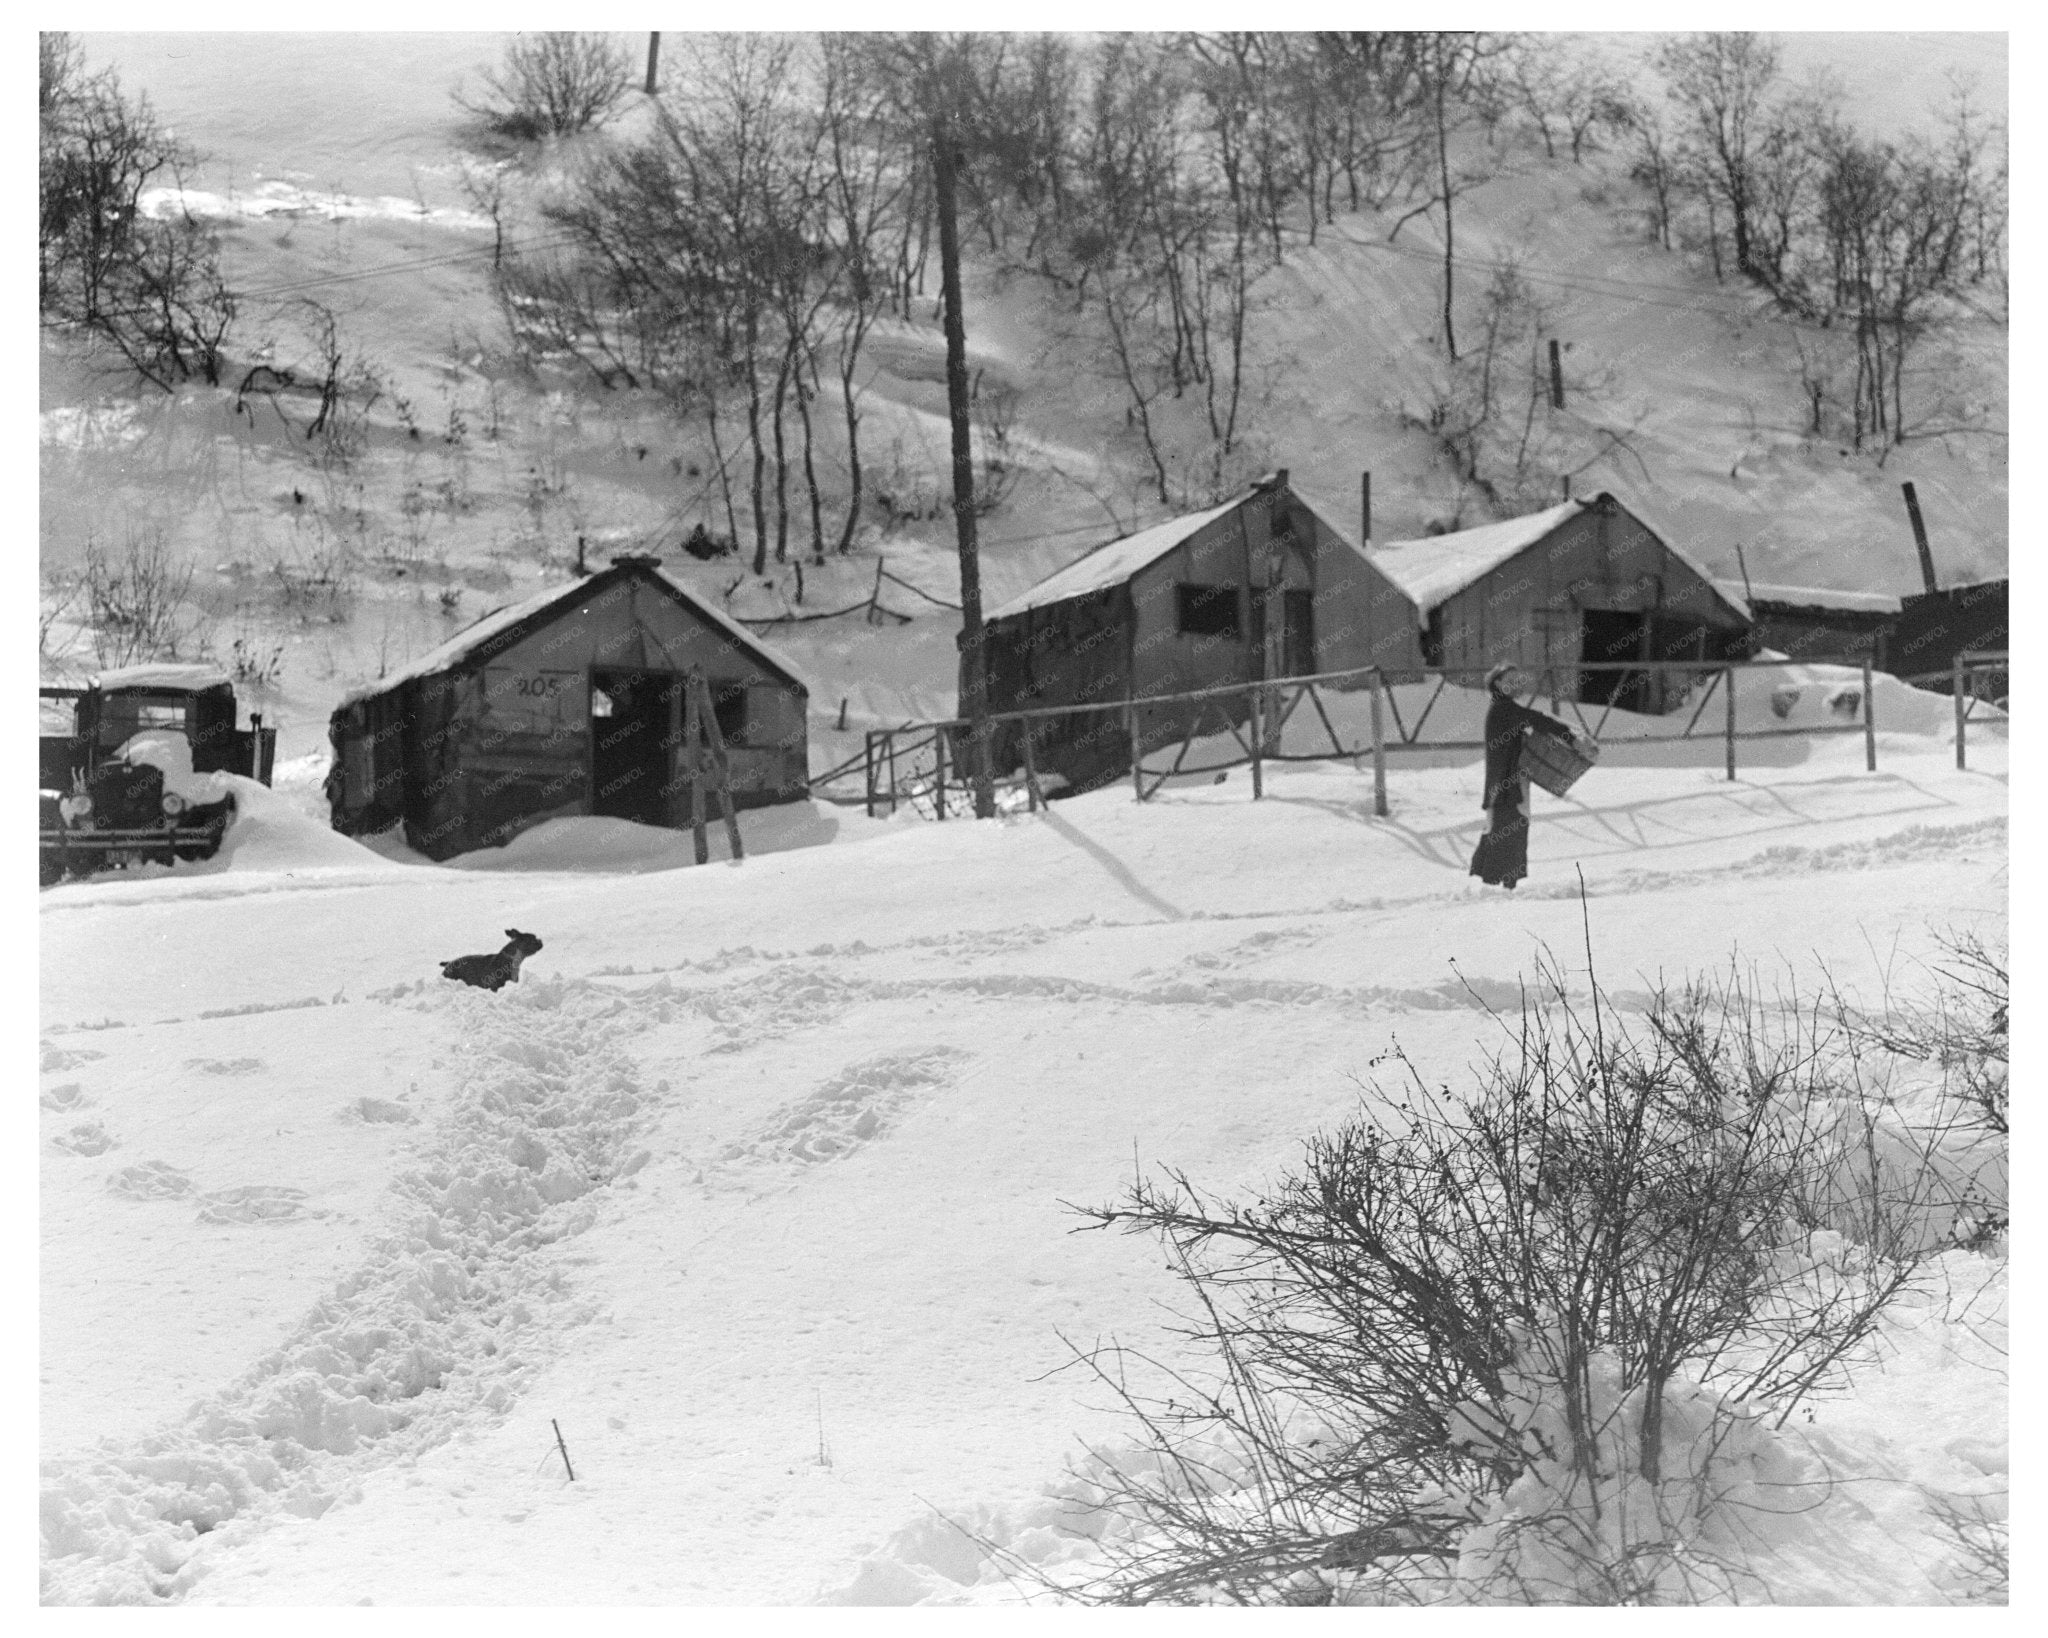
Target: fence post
{"points": [[1379, 748], [693, 742], [1729, 676], [1869, 722], [892, 773], [870, 773], [1137, 763], [1962, 713], [1030, 772], [1257, 701], [939, 772]]}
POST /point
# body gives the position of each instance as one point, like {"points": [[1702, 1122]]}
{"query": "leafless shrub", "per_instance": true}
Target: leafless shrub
{"points": [[135, 602], [61, 595], [1979, 1531], [1519, 1346], [317, 582], [552, 84], [254, 663], [1962, 1030]]}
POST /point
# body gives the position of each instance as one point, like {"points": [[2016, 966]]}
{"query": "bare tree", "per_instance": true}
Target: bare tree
{"points": [[869, 168], [1654, 164], [148, 285], [1721, 82], [1453, 68]]}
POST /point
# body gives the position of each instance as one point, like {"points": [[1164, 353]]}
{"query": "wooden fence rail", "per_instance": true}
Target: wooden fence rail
{"points": [[914, 764]]}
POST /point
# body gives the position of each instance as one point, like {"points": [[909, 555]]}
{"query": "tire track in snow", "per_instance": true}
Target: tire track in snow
{"points": [[442, 1323]]}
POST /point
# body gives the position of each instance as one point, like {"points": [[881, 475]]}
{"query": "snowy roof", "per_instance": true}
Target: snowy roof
{"points": [[1436, 568], [161, 676], [1115, 562], [1814, 597], [473, 636], [1440, 566]]}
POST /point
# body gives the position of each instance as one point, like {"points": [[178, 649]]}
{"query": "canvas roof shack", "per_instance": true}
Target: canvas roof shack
{"points": [[571, 702], [1588, 582], [1264, 585]]}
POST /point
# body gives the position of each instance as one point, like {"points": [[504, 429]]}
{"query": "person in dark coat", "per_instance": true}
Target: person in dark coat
{"points": [[1502, 857]]}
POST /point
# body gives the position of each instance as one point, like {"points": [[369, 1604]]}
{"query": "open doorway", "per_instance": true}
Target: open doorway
{"points": [[636, 723], [1616, 636], [1611, 636]]}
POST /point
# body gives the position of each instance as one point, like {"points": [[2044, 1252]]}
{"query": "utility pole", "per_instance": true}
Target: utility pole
{"points": [[653, 57], [973, 650]]}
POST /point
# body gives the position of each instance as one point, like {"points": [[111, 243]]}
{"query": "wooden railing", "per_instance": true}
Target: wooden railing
{"points": [[916, 764]]}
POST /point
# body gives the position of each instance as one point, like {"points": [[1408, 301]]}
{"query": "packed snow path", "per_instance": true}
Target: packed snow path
{"points": [[755, 1185]]}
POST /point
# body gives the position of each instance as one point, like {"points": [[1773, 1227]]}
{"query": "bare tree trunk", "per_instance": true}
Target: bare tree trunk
{"points": [[804, 395], [1119, 334], [782, 373], [1443, 157], [848, 360], [760, 454]]}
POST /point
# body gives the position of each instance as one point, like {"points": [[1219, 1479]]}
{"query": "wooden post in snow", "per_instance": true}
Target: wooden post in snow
{"points": [[693, 749], [939, 772], [1869, 722], [1137, 764], [1258, 782], [653, 58], [1030, 772], [1556, 377], [1729, 676], [1962, 713], [1379, 747]]}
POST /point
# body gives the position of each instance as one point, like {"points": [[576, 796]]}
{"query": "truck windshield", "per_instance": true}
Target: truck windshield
{"points": [[123, 716]]}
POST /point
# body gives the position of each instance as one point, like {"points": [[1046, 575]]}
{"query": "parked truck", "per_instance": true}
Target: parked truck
{"points": [[105, 750]]}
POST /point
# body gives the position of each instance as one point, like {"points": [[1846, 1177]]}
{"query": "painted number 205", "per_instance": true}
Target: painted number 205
{"points": [[539, 687]]}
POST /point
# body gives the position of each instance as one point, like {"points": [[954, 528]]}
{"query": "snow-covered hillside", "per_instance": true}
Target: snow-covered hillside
{"points": [[758, 1183], [335, 169]]}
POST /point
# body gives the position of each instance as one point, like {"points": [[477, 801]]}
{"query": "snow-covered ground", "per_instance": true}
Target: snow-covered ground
{"points": [[758, 1184]]}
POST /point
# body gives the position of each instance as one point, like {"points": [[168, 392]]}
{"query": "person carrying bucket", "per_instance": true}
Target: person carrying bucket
{"points": [[1502, 856]]}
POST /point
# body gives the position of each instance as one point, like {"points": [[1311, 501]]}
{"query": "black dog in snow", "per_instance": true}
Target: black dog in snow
{"points": [[492, 972]]}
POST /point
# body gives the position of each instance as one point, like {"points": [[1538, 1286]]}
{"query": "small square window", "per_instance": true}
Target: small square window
{"points": [[1206, 611], [729, 706]]}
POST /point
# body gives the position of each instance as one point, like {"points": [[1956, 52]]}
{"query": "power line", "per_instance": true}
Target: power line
{"points": [[449, 259], [324, 280], [1572, 281]]}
